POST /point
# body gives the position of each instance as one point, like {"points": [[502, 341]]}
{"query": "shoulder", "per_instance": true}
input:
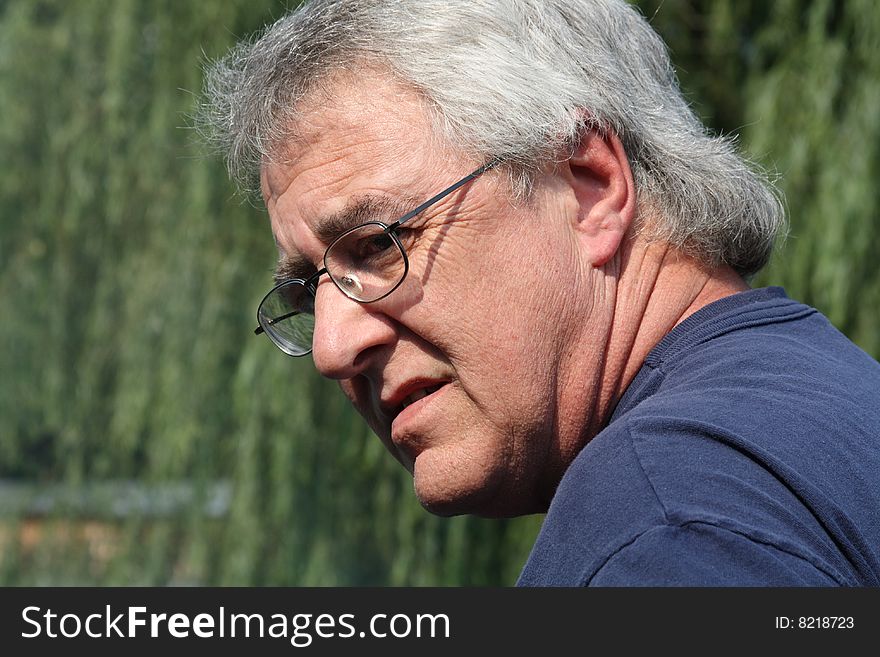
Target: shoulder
{"points": [[779, 343], [704, 554], [665, 500]]}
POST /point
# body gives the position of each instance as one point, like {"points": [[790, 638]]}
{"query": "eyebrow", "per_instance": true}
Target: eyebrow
{"points": [[360, 210]]}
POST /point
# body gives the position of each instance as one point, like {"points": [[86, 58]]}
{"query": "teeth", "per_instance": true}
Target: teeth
{"points": [[419, 394], [416, 396]]}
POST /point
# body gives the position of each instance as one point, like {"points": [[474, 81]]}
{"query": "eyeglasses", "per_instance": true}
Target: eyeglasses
{"points": [[367, 263]]}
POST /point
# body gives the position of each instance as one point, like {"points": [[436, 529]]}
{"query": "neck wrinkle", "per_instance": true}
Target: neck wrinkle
{"points": [[637, 298], [658, 289]]}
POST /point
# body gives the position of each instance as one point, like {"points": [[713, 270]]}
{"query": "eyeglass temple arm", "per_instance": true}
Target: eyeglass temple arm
{"points": [[446, 192], [260, 329]]}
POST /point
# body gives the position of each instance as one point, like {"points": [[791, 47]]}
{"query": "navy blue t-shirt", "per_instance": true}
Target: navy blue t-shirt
{"points": [[746, 452]]}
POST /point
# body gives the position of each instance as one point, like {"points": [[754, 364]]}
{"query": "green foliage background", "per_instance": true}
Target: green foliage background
{"points": [[146, 437]]}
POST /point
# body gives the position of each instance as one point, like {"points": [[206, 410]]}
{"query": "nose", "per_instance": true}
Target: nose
{"points": [[347, 333]]}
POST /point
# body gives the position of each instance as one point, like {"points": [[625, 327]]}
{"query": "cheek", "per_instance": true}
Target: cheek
{"points": [[495, 303], [502, 296], [502, 346]]}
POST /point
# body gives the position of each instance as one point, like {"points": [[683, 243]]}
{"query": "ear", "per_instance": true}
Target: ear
{"points": [[599, 174]]}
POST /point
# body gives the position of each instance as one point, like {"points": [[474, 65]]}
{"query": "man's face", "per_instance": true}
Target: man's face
{"points": [[461, 371]]}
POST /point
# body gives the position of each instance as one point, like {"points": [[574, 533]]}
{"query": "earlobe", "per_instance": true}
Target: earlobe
{"points": [[602, 182]]}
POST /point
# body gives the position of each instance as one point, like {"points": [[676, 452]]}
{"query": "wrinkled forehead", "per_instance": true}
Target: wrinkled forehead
{"points": [[358, 118], [364, 143]]}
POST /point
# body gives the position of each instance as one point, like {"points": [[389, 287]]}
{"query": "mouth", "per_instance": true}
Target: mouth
{"points": [[412, 411], [421, 393], [411, 394]]}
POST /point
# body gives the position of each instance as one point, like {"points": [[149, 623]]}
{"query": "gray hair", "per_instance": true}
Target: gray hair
{"points": [[516, 79]]}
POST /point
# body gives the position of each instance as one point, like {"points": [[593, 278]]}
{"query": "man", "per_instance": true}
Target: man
{"points": [[505, 234]]}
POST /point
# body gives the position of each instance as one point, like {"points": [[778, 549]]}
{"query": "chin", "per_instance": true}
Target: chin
{"points": [[449, 486]]}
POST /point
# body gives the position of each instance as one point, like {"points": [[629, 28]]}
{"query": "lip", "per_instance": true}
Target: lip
{"points": [[402, 416], [392, 405]]}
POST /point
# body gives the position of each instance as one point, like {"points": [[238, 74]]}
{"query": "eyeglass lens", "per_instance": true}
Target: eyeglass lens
{"points": [[287, 314], [366, 263]]}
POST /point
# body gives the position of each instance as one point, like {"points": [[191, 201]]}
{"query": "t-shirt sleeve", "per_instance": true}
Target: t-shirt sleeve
{"points": [[701, 554]]}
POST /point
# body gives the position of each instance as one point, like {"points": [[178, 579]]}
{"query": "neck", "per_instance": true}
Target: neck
{"points": [[637, 298], [654, 291]]}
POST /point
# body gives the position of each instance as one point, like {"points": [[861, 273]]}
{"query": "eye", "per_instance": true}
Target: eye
{"points": [[374, 244]]}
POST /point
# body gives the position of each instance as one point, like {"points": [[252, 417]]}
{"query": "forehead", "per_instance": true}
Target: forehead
{"points": [[360, 133], [364, 145]]}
